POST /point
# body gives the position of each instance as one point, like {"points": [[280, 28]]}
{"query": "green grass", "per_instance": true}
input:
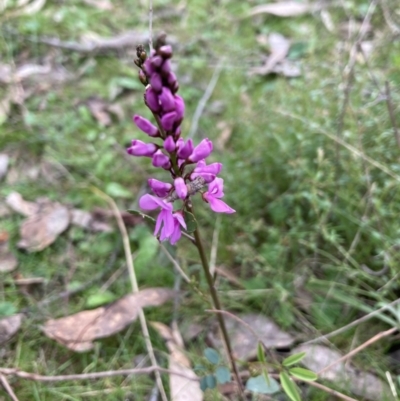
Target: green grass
{"points": [[302, 200]]}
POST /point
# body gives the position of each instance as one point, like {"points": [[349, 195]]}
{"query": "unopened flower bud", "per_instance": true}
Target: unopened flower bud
{"points": [[146, 126], [201, 151], [140, 148], [184, 149], [151, 99], [142, 77], [165, 51], [167, 100], [167, 120], [169, 144], [156, 82], [160, 188], [161, 160], [179, 108], [180, 187]]}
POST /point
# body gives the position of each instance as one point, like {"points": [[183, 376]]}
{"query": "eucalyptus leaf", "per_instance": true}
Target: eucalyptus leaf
{"points": [[211, 355], [211, 381], [258, 384], [223, 374], [293, 359], [203, 383], [289, 387], [303, 374]]}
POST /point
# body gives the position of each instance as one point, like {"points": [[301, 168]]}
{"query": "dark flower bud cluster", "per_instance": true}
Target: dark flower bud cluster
{"points": [[184, 161]]}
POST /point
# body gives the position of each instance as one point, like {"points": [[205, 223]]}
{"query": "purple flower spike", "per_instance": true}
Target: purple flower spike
{"points": [[146, 126], [215, 191], [161, 160], [179, 108], [167, 100], [171, 79], [160, 188], [178, 222], [167, 120], [201, 151], [180, 187], [140, 148], [155, 82], [184, 149], [169, 144], [151, 99]]}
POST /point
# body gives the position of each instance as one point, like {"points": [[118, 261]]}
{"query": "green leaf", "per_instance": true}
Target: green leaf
{"points": [[211, 355], [223, 374], [303, 374], [211, 381], [258, 384], [203, 383], [7, 309], [117, 190], [289, 387], [260, 353], [293, 359], [191, 223], [99, 299]]}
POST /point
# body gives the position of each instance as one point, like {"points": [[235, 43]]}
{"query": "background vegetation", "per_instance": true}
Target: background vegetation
{"points": [[311, 165]]}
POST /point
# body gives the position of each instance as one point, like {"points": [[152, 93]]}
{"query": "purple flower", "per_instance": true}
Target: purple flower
{"points": [[140, 148], [201, 151], [165, 220], [165, 51], [180, 187], [145, 125], [169, 144], [178, 222], [161, 160], [215, 191], [160, 188], [184, 149]]}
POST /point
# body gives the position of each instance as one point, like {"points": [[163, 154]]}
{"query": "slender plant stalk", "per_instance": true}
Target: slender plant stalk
{"points": [[217, 304]]}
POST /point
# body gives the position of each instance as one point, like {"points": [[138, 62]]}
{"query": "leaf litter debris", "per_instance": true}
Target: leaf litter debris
{"points": [[77, 332], [8, 261], [182, 388], [9, 326], [46, 220]]}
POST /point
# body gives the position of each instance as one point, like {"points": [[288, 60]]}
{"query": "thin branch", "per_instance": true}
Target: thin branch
{"points": [[175, 263], [203, 101], [90, 376], [360, 348], [151, 25], [8, 388], [134, 284], [391, 113], [214, 247]]}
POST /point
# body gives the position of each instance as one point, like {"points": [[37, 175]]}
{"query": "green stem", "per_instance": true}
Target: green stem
{"points": [[216, 303]]}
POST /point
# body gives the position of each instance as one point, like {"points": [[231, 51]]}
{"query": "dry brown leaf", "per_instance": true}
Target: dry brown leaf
{"points": [[89, 221], [15, 201], [77, 332], [244, 343], [104, 5], [282, 9], [4, 160], [41, 229], [8, 262], [99, 109], [9, 326], [182, 388], [224, 135], [279, 48], [362, 384]]}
